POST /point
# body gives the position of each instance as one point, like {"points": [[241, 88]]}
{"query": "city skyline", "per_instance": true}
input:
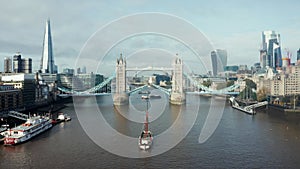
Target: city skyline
{"points": [[239, 34]]}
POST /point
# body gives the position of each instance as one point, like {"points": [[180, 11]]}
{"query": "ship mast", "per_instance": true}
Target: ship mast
{"points": [[146, 122]]}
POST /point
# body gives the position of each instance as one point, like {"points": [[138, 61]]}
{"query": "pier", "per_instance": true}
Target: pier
{"points": [[18, 115], [247, 109]]}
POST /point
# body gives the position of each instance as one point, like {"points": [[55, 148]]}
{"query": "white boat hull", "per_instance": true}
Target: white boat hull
{"points": [[12, 139], [145, 143]]}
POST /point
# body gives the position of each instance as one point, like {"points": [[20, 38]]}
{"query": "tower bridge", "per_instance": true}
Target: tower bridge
{"points": [[176, 94], [121, 96]]}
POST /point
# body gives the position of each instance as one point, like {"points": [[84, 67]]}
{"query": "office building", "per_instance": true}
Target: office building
{"points": [[21, 65], [298, 56], [219, 61], [78, 71], [7, 65], [68, 71], [263, 58], [233, 68], [286, 83], [17, 63], [27, 65], [24, 82], [11, 99], [47, 61], [90, 80], [270, 45], [83, 70]]}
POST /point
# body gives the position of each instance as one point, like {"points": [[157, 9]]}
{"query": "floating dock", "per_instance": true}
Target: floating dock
{"points": [[247, 109]]}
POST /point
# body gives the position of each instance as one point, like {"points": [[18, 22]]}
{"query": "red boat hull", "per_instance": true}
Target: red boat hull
{"points": [[9, 141]]}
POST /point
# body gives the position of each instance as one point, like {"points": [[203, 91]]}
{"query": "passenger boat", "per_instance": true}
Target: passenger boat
{"points": [[146, 137], [145, 97], [32, 127]]}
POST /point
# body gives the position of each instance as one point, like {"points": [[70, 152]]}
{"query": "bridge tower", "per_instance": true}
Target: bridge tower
{"points": [[177, 94], [120, 96]]}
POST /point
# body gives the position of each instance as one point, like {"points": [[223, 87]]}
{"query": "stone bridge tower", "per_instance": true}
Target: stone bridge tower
{"points": [[177, 94], [120, 96]]}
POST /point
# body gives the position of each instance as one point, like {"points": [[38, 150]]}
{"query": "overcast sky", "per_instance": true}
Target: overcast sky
{"points": [[232, 25]]}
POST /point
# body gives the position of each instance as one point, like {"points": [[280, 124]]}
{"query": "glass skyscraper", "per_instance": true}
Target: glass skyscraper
{"points": [[298, 56], [47, 61], [218, 60], [271, 51], [21, 65]]}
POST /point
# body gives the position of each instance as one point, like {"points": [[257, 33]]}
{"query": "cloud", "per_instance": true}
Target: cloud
{"points": [[232, 26], [242, 48]]}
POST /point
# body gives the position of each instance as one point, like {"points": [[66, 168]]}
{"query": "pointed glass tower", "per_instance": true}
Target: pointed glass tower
{"points": [[47, 61]]}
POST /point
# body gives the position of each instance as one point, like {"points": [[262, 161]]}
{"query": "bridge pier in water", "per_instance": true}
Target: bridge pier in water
{"points": [[121, 99]]}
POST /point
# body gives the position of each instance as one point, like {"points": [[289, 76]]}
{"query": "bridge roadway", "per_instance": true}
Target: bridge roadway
{"points": [[90, 92], [213, 93], [149, 68], [166, 91]]}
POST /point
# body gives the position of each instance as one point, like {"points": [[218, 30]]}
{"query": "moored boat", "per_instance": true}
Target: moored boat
{"points": [[61, 118], [32, 127], [67, 117]]}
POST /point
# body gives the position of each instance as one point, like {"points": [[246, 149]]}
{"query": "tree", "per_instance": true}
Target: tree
{"points": [[262, 94], [250, 83], [247, 93], [230, 83], [207, 83]]}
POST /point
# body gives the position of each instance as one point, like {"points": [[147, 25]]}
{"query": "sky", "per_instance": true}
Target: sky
{"points": [[232, 25]]}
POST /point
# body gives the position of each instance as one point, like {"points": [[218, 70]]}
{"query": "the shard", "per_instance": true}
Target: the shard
{"points": [[47, 61]]}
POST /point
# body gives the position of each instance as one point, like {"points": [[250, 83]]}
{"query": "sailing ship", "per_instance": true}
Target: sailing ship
{"points": [[146, 137]]}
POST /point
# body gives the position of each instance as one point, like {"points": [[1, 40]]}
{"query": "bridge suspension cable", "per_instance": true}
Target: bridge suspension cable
{"points": [[196, 83], [162, 89], [99, 86], [91, 90], [221, 91]]}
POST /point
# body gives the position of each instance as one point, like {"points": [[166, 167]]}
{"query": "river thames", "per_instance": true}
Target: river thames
{"points": [[267, 140]]}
